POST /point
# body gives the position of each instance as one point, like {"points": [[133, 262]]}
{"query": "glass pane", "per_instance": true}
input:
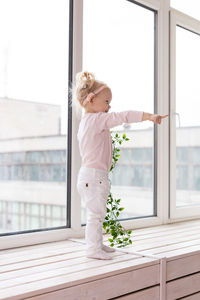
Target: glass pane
{"points": [[189, 7], [115, 50], [18, 157], [33, 112], [187, 121], [33, 157]]}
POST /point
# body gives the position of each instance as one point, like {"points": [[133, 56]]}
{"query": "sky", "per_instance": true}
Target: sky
{"points": [[187, 77], [34, 51], [187, 67], [118, 47]]}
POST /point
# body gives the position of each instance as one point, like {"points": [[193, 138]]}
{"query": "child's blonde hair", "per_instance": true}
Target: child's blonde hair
{"points": [[85, 84]]}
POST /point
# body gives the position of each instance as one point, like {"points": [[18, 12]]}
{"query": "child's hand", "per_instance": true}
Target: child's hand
{"points": [[157, 118]]}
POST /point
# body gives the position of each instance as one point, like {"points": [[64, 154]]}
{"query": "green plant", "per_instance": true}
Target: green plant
{"points": [[120, 236]]}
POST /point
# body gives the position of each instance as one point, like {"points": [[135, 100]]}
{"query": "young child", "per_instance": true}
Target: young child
{"points": [[95, 145]]}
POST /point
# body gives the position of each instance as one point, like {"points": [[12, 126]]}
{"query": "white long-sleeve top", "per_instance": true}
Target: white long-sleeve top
{"points": [[95, 140]]}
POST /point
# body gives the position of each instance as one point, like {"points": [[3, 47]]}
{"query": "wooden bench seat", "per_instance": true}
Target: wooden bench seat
{"points": [[162, 263]]}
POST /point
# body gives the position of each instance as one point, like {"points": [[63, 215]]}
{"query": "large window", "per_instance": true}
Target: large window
{"points": [[185, 124], [118, 46], [187, 98], [33, 114], [126, 43]]}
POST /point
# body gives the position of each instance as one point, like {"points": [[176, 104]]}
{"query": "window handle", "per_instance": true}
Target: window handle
{"points": [[179, 122]]}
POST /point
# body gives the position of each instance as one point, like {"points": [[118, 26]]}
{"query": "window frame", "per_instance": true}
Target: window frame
{"points": [[191, 24]]}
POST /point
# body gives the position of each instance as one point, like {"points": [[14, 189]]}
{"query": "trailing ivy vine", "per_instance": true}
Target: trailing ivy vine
{"points": [[120, 236]]}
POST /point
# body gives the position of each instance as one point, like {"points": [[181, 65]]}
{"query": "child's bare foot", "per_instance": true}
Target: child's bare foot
{"points": [[101, 254], [108, 249]]}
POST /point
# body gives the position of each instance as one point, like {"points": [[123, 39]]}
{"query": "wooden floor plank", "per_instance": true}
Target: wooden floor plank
{"points": [[44, 246], [183, 287], [163, 228], [147, 294], [67, 244], [63, 264], [192, 297], [160, 238], [183, 266], [49, 271], [108, 287], [165, 242], [5, 260], [176, 254], [164, 248], [167, 232], [64, 281], [75, 264], [42, 261]]}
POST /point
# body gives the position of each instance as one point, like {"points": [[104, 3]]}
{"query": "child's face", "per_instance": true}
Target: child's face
{"points": [[101, 102]]}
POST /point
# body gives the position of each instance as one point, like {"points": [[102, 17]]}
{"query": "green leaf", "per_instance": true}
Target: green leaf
{"points": [[125, 239], [120, 246], [121, 208], [110, 240]]}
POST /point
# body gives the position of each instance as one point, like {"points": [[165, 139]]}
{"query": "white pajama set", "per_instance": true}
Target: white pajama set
{"points": [[95, 145]]}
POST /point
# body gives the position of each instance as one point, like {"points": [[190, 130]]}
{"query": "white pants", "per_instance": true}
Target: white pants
{"points": [[93, 186]]}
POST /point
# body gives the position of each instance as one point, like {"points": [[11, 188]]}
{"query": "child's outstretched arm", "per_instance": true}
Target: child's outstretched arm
{"points": [[153, 117], [110, 120]]}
